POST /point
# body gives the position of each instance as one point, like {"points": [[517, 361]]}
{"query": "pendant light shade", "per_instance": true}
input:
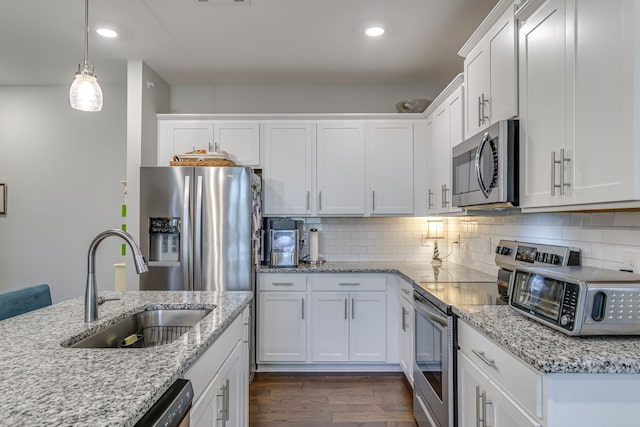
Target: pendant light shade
{"points": [[85, 93]]}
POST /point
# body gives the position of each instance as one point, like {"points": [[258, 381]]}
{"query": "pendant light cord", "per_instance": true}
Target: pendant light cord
{"points": [[86, 32]]}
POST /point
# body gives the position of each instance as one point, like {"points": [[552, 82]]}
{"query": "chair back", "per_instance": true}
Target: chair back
{"points": [[24, 300]]}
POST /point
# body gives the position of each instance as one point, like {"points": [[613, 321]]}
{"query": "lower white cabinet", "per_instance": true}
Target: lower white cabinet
{"points": [[406, 330], [349, 326], [482, 402], [220, 379]]}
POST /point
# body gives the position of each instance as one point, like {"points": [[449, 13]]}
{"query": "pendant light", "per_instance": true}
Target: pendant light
{"points": [[85, 93]]}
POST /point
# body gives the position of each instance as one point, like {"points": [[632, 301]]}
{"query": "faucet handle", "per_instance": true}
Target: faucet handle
{"points": [[102, 300]]}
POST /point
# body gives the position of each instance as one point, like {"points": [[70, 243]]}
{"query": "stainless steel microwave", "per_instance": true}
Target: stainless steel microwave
{"points": [[578, 300], [485, 168]]}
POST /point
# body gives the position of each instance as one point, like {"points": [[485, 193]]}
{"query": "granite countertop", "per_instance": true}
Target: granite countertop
{"points": [[548, 350], [537, 345], [412, 271], [45, 383]]}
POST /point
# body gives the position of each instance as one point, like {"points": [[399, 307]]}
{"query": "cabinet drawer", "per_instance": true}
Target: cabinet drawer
{"points": [[348, 282], [282, 282], [519, 380]]}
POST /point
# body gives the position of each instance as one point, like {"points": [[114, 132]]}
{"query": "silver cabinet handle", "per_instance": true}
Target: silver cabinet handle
{"points": [[553, 173], [477, 406], [282, 283], [302, 308], [307, 200], [484, 358], [226, 401], [216, 145], [209, 147], [353, 308], [406, 291], [563, 160], [349, 284], [479, 112], [319, 200], [430, 199], [483, 408], [224, 411], [483, 103], [445, 190], [404, 319], [346, 316], [442, 196], [373, 201]]}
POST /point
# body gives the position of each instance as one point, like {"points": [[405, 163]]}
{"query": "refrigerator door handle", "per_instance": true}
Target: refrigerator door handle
{"points": [[185, 259], [197, 236]]}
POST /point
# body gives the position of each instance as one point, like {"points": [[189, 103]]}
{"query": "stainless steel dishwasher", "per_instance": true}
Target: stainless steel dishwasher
{"points": [[172, 409]]}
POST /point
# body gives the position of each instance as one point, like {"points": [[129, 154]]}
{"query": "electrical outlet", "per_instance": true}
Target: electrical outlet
{"points": [[425, 240], [631, 261], [487, 245]]}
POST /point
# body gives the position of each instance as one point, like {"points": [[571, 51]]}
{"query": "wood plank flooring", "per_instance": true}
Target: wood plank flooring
{"points": [[336, 400]]}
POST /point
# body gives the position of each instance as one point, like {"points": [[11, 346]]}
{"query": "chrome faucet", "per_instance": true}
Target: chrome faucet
{"points": [[91, 293]]}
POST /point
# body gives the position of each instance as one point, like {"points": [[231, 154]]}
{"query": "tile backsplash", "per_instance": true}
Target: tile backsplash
{"points": [[608, 239]]}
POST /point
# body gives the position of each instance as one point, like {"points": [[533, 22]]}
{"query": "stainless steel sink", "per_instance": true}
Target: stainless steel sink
{"points": [[149, 328]]}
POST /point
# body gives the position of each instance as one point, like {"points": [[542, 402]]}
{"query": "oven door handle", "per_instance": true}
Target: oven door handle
{"points": [[422, 305]]}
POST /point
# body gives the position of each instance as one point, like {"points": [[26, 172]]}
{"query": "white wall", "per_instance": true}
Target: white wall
{"points": [[605, 239], [143, 102], [295, 98], [62, 168]]}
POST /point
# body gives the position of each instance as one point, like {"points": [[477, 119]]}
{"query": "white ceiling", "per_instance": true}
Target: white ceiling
{"points": [[222, 43]]}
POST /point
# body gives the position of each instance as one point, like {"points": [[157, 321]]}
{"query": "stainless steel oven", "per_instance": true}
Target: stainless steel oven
{"points": [[433, 365]]}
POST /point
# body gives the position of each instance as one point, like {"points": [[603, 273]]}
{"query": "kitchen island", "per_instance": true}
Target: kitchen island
{"points": [[45, 383]]}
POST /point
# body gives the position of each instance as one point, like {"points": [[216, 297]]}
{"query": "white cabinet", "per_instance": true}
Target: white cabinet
{"points": [[288, 168], [390, 162], [445, 132], [406, 329], [495, 388], [240, 138], [578, 115], [340, 167], [490, 73], [220, 379], [181, 136], [282, 324], [349, 326]]}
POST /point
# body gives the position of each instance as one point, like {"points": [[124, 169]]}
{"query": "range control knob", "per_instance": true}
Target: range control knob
{"points": [[564, 320]]}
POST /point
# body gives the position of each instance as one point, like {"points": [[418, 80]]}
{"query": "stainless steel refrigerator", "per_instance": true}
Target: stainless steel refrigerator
{"points": [[200, 228]]}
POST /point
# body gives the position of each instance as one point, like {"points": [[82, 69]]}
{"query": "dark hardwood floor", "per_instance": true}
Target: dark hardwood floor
{"points": [[337, 400]]}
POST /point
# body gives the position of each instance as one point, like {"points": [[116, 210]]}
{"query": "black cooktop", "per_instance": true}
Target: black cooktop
{"points": [[446, 294]]}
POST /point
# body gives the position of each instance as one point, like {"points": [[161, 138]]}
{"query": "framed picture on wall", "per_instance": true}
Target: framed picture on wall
{"points": [[3, 199]]}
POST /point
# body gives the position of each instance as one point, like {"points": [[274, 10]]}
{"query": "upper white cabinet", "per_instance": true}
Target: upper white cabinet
{"points": [[490, 70], [444, 130], [240, 138], [181, 136], [288, 168], [340, 167], [391, 157], [578, 112]]}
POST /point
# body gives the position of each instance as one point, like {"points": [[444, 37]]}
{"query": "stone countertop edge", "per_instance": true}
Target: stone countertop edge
{"points": [[57, 385]]}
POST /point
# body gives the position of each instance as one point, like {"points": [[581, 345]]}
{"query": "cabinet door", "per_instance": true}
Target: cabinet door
{"points": [[391, 168], [181, 136], [471, 384], [602, 150], [282, 328], [241, 139], [368, 326], [503, 69], [431, 165], [406, 338], [330, 327], [477, 88], [340, 159], [287, 173], [542, 103]]}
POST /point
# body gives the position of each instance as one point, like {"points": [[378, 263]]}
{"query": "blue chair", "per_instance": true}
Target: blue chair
{"points": [[24, 300]]}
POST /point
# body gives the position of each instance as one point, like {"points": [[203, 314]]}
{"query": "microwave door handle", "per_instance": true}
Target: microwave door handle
{"points": [[483, 188]]}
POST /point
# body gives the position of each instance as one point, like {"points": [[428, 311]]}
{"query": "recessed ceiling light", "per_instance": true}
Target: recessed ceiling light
{"points": [[374, 31], [106, 32]]}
